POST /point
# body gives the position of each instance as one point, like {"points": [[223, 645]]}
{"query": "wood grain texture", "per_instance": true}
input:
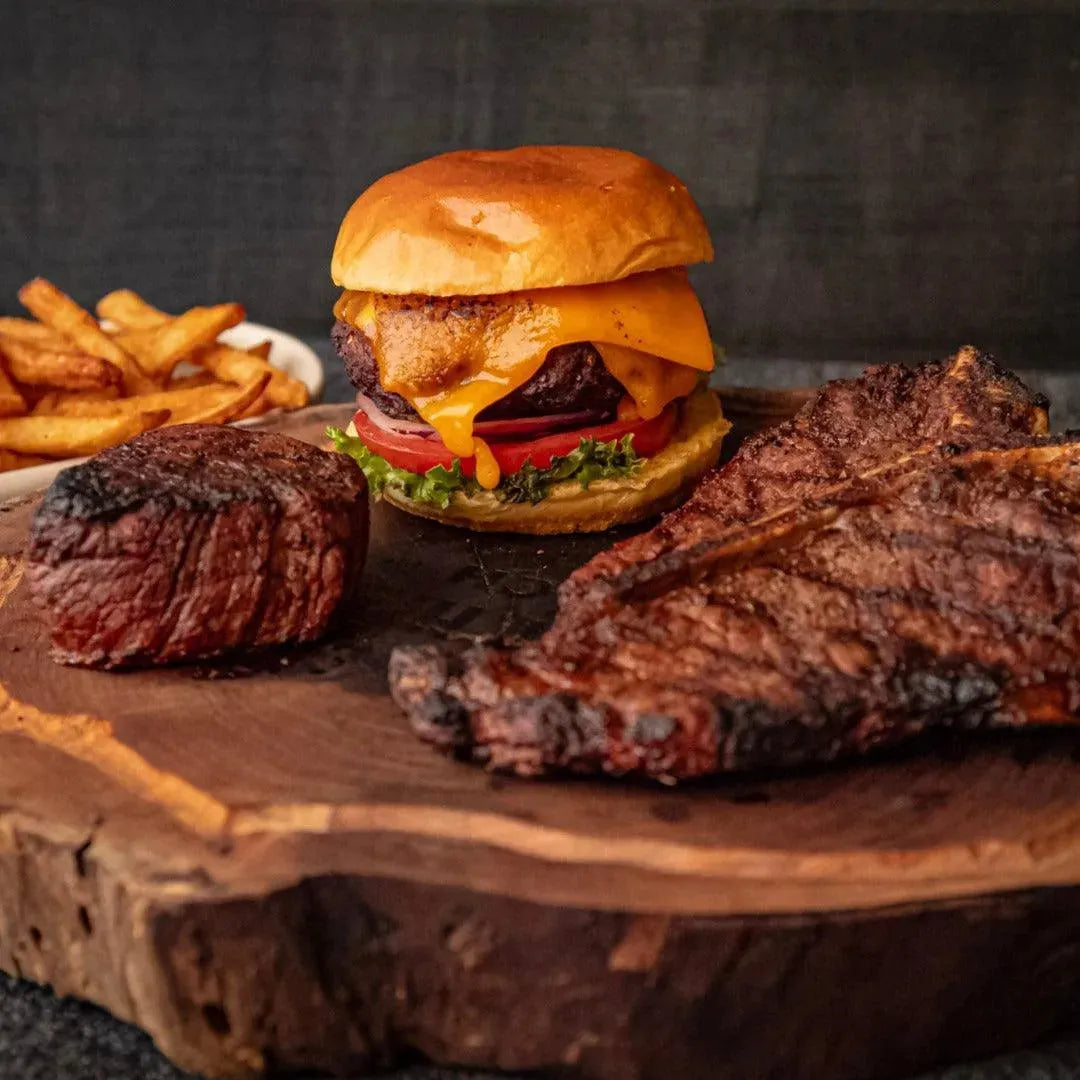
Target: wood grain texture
{"points": [[264, 869], [877, 173]]}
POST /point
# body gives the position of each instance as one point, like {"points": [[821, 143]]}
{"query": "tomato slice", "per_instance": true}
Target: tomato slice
{"points": [[418, 453]]}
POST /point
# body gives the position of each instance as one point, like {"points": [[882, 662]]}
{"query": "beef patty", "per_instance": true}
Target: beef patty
{"points": [[190, 541], [572, 378]]}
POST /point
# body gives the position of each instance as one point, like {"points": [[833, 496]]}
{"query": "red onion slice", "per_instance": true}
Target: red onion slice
{"points": [[487, 429], [534, 425], [389, 423]]}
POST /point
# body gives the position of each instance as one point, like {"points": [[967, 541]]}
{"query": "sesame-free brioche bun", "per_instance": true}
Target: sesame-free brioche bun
{"points": [[661, 483], [477, 222]]}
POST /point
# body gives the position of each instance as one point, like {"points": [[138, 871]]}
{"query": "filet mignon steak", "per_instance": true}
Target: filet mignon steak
{"points": [[194, 540]]}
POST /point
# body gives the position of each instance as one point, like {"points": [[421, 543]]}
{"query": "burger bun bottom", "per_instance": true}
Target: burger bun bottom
{"points": [[660, 484]]}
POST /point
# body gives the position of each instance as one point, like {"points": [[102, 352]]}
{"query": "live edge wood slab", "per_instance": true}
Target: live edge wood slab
{"points": [[265, 871]]}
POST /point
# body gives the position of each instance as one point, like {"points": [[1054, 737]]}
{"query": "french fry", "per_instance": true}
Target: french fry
{"points": [[186, 406], [35, 332], [228, 364], [128, 309], [36, 366], [237, 366], [262, 404], [12, 403], [196, 378], [58, 310], [285, 392], [134, 342], [53, 401], [10, 460], [159, 349], [180, 403], [228, 407], [74, 436]]}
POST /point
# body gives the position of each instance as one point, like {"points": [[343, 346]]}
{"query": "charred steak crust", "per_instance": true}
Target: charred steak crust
{"points": [[939, 587], [194, 540], [573, 378], [440, 686]]}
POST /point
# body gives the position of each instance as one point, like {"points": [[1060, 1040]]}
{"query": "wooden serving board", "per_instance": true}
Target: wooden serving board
{"points": [[266, 871]]}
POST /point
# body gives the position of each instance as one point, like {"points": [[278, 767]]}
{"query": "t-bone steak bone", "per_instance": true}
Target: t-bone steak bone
{"points": [[939, 586], [193, 540]]}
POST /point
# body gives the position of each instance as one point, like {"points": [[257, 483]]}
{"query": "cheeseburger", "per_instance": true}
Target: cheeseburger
{"points": [[528, 353]]}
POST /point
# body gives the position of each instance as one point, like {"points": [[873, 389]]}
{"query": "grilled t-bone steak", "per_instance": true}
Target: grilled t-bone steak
{"points": [[938, 585]]}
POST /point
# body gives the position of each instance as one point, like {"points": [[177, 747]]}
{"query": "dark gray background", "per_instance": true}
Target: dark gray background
{"points": [[876, 175]]}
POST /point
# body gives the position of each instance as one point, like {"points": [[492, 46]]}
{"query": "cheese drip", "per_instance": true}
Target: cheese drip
{"points": [[487, 468], [649, 329], [651, 381]]}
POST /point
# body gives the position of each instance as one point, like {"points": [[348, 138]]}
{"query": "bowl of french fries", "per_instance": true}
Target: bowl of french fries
{"points": [[72, 384]]}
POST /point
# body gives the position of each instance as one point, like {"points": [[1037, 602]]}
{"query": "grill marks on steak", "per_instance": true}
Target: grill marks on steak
{"points": [[573, 378], [191, 541], [938, 586], [846, 429]]}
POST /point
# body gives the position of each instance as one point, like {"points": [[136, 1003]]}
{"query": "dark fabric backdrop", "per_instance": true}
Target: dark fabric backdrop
{"points": [[875, 174]]}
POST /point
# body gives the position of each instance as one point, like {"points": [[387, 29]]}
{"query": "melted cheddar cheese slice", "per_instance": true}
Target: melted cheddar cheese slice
{"points": [[651, 381], [452, 363]]}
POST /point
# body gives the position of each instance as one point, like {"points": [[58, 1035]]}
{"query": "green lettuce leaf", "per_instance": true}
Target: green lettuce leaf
{"points": [[589, 461], [436, 486]]}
